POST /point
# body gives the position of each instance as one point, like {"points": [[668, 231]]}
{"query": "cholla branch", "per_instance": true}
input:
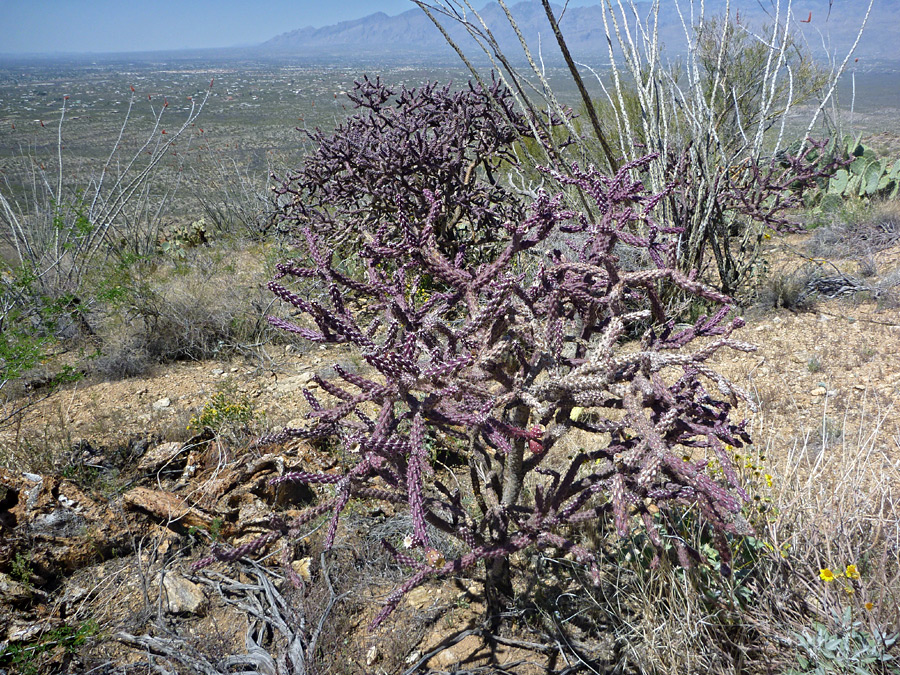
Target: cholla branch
{"points": [[374, 171]]}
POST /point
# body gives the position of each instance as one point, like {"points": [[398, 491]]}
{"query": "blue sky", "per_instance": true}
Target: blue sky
{"points": [[29, 26]]}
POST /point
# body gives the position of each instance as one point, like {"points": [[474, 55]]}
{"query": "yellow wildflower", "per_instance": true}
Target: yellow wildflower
{"points": [[869, 606], [768, 478], [826, 575], [852, 572]]}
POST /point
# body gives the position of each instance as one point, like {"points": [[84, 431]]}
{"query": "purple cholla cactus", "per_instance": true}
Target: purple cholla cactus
{"points": [[508, 356], [377, 167]]}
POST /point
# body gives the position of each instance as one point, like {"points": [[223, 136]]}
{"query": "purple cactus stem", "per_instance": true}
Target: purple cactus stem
{"points": [[487, 326]]}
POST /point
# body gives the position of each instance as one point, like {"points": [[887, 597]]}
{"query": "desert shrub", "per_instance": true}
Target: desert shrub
{"points": [[400, 145], [64, 227], [226, 409], [833, 539], [508, 364], [30, 658], [20, 347], [236, 201], [749, 83], [207, 302], [849, 650]]}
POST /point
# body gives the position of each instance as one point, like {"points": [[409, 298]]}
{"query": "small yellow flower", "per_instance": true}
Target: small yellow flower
{"points": [[826, 575], [852, 572], [869, 606], [849, 590], [768, 478]]}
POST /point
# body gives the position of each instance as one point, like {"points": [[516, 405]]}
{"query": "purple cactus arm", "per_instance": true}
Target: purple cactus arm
{"points": [[414, 479]]}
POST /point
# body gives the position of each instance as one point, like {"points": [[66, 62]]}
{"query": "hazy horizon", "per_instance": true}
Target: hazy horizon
{"points": [[111, 26]]}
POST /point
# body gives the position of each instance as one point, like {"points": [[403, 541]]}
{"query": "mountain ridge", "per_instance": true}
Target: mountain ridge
{"points": [[412, 32]]}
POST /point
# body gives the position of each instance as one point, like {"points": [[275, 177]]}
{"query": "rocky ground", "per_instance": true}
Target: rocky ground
{"points": [[111, 491]]}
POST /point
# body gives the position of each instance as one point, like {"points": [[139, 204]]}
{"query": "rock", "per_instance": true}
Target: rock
{"points": [[217, 371], [445, 659], [371, 655], [818, 391], [168, 507], [24, 631], [302, 567], [14, 592], [181, 596], [161, 455], [162, 403], [471, 589], [64, 528], [420, 598], [463, 651], [294, 382], [75, 593], [62, 522]]}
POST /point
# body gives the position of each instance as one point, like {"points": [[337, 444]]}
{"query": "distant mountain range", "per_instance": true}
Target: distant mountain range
{"points": [[412, 35]]}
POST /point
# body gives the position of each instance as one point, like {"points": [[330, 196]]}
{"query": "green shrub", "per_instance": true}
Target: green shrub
{"points": [[225, 409], [849, 649]]}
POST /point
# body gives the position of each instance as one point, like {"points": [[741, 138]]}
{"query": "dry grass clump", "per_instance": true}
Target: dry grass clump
{"points": [[836, 525], [208, 304], [858, 233], [788, 290]]}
